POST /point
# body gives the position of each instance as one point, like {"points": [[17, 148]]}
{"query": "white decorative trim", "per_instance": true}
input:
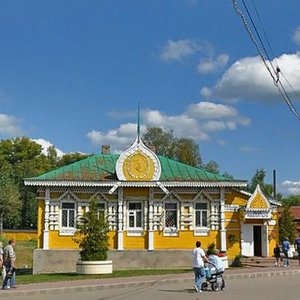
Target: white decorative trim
{"points": [[162, 187], [257, 213], [138, 146], [231, 208], [167, 184], [65, 231], [170, 231], [135, 232], [204, 231]]}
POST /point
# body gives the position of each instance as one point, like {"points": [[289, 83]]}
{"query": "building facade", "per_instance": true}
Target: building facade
{"points": [[153, 205]]}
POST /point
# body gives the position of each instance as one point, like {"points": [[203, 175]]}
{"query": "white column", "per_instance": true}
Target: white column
{"points": [[120, 220], [222, 221], [150, 222], [46, 220]]}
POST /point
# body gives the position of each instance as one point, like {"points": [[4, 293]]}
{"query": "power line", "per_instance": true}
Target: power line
{"points": [[274, 72]]}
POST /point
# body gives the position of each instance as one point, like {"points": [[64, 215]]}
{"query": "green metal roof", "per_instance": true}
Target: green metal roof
{"points": [[101, 167]]}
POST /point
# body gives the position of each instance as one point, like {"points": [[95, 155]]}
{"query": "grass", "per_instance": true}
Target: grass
{"points": [[38, 278], [24, 252]]}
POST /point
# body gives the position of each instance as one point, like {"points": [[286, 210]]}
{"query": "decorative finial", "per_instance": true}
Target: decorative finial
{"points": [[138, 123]]}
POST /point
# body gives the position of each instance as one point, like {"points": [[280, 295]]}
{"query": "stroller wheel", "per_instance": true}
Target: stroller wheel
{"points": [[223, 287], [215, 286], [204, 286]]}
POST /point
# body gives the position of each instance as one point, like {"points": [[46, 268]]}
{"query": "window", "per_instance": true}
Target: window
{"points": [[201, 215], [68, 214], [171, 215], [135, 215], [101, 209]]}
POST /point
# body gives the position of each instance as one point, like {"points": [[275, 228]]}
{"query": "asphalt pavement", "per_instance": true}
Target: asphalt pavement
{"points": [[149, 280]]}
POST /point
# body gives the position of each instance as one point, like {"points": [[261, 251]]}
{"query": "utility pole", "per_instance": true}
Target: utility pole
{"points": [[274, 184]]}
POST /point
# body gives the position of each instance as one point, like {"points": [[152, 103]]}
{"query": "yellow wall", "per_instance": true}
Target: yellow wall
{"points": [[57, 241], [135, 242], [136, 192], [185, 240], [20, 235]]}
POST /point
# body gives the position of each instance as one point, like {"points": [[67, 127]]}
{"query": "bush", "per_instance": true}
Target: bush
{"points": [[237, 261], [92, 235]]}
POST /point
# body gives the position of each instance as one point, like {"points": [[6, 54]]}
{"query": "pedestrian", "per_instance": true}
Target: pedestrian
{"points": [[297, 246], [276, 252], [2, 268], [285, 250], [9, 260], [198, 266]]}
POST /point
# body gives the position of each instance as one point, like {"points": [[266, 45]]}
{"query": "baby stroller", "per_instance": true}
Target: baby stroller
{"points": [[214, 279], [214, 275]]}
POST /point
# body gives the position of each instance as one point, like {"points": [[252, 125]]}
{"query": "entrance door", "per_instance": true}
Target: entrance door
{"points": [[247, 240], [257, 240]]}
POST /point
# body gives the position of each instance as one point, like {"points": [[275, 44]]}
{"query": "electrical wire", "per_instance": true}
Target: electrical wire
{"points": [[274, 72]]}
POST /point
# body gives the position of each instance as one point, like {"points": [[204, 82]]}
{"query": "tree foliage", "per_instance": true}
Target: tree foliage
{"points": [[92, 235], [10, 202], [184, 150], [259, 178], [23, 158], [293, 200], [287, 226]]}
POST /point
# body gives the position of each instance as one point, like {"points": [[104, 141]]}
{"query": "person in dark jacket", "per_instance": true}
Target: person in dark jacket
{"points": [[276, 252]]}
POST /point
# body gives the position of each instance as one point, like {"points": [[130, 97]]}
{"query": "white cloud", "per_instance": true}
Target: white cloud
{"points": [[210, 65], [296, 36], [9, 126], [292, 187], [118, 139], [198, 122], [46, 144], [249, 79], [208, 110], [177, 50]]}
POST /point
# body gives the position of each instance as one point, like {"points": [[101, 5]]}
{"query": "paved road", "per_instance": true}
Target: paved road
{"points": [[273, 288]]}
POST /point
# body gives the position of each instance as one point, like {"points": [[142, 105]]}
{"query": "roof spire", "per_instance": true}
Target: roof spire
{"points": [[138, 123]]}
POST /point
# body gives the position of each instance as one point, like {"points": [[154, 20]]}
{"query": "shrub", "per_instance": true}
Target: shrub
{"points": [[237, 261], [92, 235]]}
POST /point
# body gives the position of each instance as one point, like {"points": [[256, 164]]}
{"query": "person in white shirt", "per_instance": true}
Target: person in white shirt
{"points": [[199, 258]]}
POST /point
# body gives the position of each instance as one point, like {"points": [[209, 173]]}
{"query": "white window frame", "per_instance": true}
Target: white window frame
{"points": [[173, 230], [135, 230], [201, 230], [67, 230]]}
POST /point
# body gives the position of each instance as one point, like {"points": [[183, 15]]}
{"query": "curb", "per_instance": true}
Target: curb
{"points": [[146, 283]]}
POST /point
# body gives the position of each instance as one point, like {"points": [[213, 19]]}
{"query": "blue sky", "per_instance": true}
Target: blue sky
{"points": [[73, 71]]}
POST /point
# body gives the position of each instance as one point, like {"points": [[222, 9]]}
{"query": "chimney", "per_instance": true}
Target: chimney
{"points": [[105, 149]]}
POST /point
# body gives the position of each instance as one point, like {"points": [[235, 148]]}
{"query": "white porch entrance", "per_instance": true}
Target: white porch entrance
{"points": [[254, 240]]}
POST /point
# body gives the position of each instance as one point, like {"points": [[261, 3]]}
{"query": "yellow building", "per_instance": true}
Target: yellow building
{"points": [[153, 205]]}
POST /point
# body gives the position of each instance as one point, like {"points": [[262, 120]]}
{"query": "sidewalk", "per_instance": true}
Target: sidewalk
{"points": [[97, 284]]}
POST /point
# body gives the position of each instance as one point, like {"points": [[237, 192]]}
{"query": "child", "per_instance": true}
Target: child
{"points": [[277, 255]]}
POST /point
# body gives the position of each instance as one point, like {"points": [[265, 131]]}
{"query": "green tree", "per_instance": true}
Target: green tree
{"points": [[70, 158], [212, 166], [25, 159], [184, 150], [10, 203], [163, 141], [187, 151], [92, 235], [287, 226], [293, 200], [259, 178]]}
